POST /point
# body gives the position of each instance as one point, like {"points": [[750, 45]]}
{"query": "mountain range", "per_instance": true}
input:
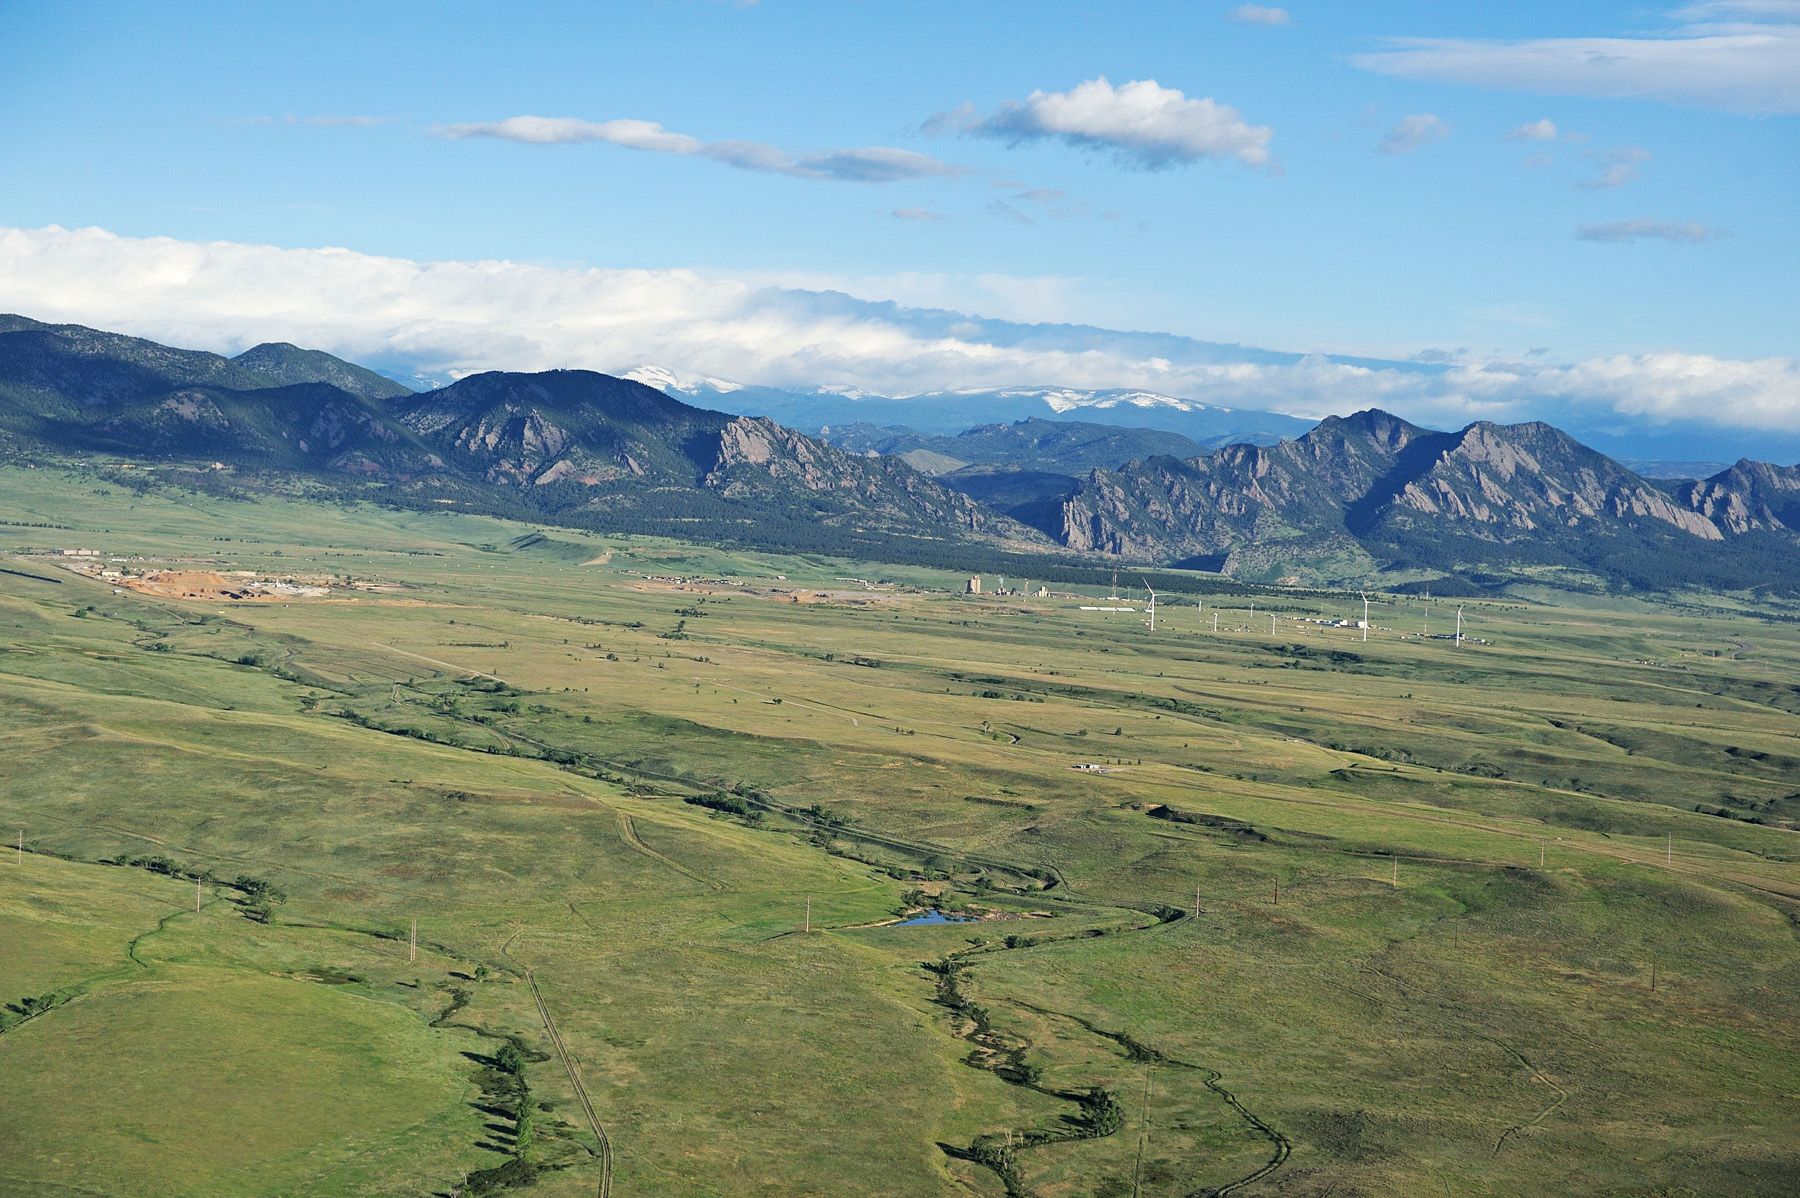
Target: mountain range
{"points": [[567, 445], [1368, 496], [824, 409], [1372, 494]]}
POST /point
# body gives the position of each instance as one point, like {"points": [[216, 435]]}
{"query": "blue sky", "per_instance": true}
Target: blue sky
{"points": [[1351, 179]]}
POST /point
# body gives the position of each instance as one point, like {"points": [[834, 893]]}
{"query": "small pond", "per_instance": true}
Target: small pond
{"points": [[930, 917]]}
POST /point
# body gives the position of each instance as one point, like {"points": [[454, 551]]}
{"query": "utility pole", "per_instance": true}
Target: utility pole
{"points": [[1395, 861], [1540, 854], [1653, 973], [1196, 902], [809, 913], [21, 846], [1277, 892], [1271, 625], [196, 894], [412, 942], [1669, 852]]}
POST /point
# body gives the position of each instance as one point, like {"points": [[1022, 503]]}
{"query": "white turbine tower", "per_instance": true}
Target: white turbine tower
{"points": [[1147, 587], [1459, 628], [1365, 623]]}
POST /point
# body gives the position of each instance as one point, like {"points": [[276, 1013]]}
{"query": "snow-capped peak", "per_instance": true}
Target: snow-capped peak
{"points": [[666, 380], [1063, 399]]}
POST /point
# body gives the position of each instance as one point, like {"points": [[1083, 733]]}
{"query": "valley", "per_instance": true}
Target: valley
{"points": [[1326, 915]]}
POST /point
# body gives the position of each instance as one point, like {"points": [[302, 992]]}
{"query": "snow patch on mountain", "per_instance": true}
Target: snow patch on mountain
{"points": [[669, 381]]}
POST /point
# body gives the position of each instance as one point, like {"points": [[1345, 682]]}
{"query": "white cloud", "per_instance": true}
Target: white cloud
{"points": [[867, 164], [460, 317], [1259, 14], [1728, 10], [1741, 57], [918, 214], [1661, 387], [1419, 129], [1618, 166], [1144, 124], [1539, 130], [1646, 228]]}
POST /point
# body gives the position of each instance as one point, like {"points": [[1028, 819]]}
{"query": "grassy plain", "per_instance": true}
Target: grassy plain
{"points": [[1435, 885]]}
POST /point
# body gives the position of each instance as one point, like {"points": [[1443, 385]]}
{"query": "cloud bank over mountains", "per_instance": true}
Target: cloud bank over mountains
{"points": [[458, 317]]}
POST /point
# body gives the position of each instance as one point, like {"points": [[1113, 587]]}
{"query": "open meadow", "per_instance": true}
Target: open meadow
{"points": [[1266, 910]]}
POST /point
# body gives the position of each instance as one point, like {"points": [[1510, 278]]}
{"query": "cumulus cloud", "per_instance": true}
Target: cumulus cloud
{"points": [[1741, 57], [1539, 130], [1260, 14], [1143, 124], [1419, 129], [458, 317], [1646, 228], [866, 164]]}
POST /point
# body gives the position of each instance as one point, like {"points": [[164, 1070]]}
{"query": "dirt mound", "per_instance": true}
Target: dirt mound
{"points": [[192, 584]]}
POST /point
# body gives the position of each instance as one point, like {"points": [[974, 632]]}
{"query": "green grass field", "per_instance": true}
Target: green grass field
{"points": [[1515, 917]]}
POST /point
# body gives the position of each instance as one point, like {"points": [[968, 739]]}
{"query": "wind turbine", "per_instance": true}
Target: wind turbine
{"points": [[1365, 623], [1459, 628], [1152, 591]]}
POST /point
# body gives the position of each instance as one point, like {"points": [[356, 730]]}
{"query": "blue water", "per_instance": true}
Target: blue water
{"points": [[933, 916]]}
